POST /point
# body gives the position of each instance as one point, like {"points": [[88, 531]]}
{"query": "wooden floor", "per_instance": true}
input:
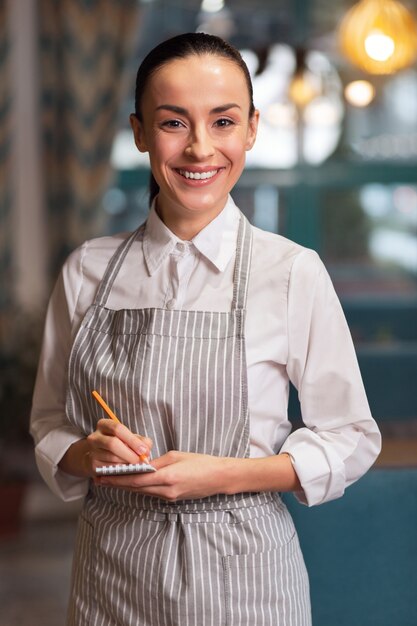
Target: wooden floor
{"points": [[399, 444], [35, 563], [35, 571], [398, 452]]}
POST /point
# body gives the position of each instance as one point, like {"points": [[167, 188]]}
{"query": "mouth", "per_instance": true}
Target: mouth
{"points": [[198, 177]]}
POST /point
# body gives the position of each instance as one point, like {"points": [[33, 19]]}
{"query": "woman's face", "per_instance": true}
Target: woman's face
{"points": [[196, 128]]}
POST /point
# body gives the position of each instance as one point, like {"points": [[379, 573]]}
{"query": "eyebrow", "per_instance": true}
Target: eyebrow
{"points": [[182, 111]]}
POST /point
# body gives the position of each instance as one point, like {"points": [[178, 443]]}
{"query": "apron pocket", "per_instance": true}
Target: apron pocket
{"points": [[267, 588]]}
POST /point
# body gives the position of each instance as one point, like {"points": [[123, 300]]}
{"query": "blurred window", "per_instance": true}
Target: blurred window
{"points": [[357, 205]]}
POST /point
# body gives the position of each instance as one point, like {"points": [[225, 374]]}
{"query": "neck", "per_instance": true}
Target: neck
{"points": [[186, 225]]}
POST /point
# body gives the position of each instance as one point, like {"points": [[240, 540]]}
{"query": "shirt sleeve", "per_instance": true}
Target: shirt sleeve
{"points": [[49, 427], [340, 440]]}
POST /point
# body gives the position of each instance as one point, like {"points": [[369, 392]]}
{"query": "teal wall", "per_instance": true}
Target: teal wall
{"points": [[361, 552]]}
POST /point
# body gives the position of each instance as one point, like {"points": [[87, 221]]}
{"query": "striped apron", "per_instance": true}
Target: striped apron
{"points": [[178, 377]]}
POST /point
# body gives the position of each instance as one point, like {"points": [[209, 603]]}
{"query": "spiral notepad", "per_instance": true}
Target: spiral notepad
{"points": [[132, 468]]}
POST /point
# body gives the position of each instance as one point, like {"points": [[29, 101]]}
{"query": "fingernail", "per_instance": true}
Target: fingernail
{"points": [[141, 449]]}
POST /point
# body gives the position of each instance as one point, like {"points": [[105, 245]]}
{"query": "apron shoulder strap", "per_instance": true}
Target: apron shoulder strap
{"points": [[114, 266], [242, 264]]}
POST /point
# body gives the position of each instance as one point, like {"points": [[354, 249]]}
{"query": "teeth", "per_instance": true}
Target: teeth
{"points": [[198, 175]]}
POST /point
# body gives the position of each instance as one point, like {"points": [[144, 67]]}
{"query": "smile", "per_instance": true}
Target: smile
{"points": [[198, 175]]}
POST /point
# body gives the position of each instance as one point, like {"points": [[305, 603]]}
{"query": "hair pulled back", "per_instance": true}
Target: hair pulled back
{"points": [[180, 47]]}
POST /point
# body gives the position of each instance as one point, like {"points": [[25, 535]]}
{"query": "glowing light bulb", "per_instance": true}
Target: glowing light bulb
{"points": [[302, 89], [379, 46], [379, 36], [212, 6], [359, 93]]}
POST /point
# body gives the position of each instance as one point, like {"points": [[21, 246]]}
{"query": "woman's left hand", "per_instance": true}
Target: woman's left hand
{"points": [[180, 476]]}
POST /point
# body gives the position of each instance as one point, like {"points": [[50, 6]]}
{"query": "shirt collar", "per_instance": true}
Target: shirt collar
{"points": [[158, 241], [216, 242]]}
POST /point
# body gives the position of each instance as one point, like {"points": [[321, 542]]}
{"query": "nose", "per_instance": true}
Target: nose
{"points": [[200, 145]]}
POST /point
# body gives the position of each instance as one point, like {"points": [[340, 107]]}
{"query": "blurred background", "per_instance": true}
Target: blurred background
{"points": [[334, 168]]}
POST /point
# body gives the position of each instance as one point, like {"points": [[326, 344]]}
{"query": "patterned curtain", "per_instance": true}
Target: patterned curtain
{"points": [[85, 47], [5, 165]]}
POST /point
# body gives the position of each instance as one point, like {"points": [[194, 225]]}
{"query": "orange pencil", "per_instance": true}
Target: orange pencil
{"points": [[105, 406], [110, 413]]}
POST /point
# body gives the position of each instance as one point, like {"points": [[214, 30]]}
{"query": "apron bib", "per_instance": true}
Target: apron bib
{"points": [[178, 377]]}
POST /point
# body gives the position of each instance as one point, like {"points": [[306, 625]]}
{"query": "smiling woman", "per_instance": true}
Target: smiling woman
{"points": [[191, 328], [196, 121]]}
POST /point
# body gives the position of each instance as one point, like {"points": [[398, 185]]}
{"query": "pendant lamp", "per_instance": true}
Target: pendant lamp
{"points": [[303, 87], [379, 36]]}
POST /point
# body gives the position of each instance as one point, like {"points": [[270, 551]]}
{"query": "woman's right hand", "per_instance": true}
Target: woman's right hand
{"points": [[110, 443], [113, 443]]}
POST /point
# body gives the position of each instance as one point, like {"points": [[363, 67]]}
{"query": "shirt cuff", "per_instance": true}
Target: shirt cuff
{"points": [[48, 452], [320, 471]]}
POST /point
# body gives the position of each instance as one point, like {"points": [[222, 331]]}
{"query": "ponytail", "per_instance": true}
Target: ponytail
{"points": [[153, 189]]}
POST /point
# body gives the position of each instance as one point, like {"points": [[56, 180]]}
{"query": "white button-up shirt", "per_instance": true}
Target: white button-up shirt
{"points": [[295, 330]]}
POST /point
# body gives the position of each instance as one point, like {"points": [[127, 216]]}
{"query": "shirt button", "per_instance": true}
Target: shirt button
{"points": [[181, 247], [171, 304]]}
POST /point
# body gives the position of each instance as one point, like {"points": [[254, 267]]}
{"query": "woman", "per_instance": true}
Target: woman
{"points": [[191, 329]]}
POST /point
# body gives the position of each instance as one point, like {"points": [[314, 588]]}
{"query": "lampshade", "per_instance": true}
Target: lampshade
{"points": [[379, 36]]}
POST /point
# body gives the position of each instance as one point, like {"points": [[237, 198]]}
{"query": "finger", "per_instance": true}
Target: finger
{"points": [[111, 447], [147, 441], [166, 492], [131, 440], [167, 459], [104, 457], [134, 440]]}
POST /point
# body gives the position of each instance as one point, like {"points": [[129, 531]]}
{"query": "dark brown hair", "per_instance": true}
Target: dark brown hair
{"points": [[180, 47]]}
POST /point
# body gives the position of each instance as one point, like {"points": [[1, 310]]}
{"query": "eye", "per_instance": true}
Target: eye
{"points": [[223, 122], [172, 124]]}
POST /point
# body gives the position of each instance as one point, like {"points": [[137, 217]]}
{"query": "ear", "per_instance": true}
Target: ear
{"points": [[138, 133], [252, 130]]}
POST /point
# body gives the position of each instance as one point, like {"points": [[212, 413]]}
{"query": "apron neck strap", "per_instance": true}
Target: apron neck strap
{"points": [[242, 264], [113, 268]]}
